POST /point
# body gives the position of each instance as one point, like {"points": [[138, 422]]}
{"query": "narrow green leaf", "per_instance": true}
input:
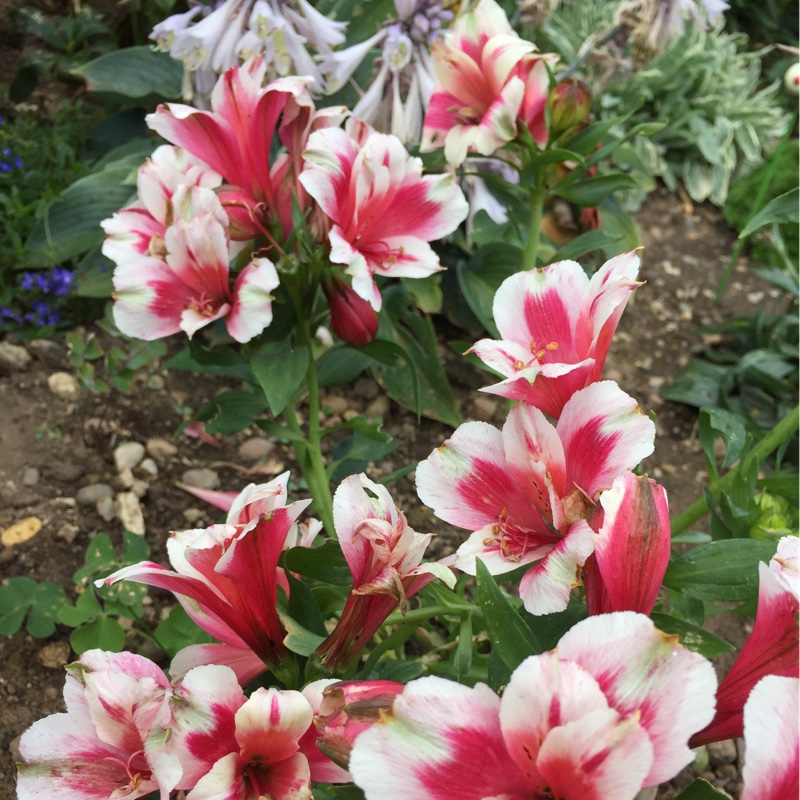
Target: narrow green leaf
{"points": [[692, 637], [298, 639], [510, 636], [462, 658], [585, 243], [782, 209], [591, 191]]}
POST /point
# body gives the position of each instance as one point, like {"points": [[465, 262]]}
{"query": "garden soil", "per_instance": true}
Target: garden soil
{"points": [[55, 444]]}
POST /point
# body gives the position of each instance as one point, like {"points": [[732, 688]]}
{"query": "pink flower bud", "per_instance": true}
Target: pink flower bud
{"points": [[348, 708], [569, 104], [247, 219], [353, 319]]}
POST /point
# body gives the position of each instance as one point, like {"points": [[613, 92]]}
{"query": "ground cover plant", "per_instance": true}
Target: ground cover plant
{"points": [[560, 650]]}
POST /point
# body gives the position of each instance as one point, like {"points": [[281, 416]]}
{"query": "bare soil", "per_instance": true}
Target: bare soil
{"points": [[51, 447]]}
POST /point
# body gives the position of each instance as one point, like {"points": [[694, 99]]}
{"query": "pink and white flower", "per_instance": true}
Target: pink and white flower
{"points": [[631, 547], [226, 577], [188, 285], [489, 81], [556, 327], [606, 713], [113, 740], [772, 740], [771, 649], [382, 211], [235, 747], [384, 556], [526, 492]]}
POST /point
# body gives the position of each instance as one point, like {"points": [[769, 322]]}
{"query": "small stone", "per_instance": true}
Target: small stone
{"points": [[379, 407], [202, 478], [67, 471], [6, 555], [13, 749], [193, 515], [366, 388], [149, 468], [63, 385], [160, 449], [126, 478], [484, 408], [92, 493], [30, 477], [21, 531], [68, 532], [140, 488], [106, 508], [337, 405], [130, 513], [13, 358], [128, 455], [54, 655], [255, 449], [52, 693], [728, 771], [723, 752]]}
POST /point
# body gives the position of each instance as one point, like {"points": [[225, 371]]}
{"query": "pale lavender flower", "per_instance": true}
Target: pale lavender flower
{"points": [[402, 85]]}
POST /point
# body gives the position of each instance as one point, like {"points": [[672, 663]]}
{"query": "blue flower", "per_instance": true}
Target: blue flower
{"points": [[28, 281], [5, 166], [18, 163]]}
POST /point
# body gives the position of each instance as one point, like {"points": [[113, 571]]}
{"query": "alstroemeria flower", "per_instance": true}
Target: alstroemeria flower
{"points": [[771, 649], [772, 740], [384, 556], [236, 137], [139, 229], [225, 577], [526, 492], [112, 741], [631, 547], [239, 748], [189, 287], [489, 81], [382, 211], [556, 327], [606, 713]]}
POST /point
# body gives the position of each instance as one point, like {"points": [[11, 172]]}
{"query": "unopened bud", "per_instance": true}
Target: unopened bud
{"points": [[247, 220], [569, 104], [352, 318]]}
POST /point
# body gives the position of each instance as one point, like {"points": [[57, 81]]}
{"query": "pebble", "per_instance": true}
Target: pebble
{"points": [[128, 455], [202, 478], [63, 385], [149, 468], [55, 655], [6, 555], [139, 488], [160, 449], [126, 478], [255, 449], [723, 752], [30, 477], [337, 404], [21, 531], [90, 495], [13, 748], [130, 513], [193, 515], [106, 508], [379, 407], [67, 471], [484, 408], [47, 351], [13, 358], [68, 532]]}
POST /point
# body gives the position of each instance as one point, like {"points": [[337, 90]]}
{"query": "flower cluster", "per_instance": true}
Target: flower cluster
{"points": [[39, 299]]}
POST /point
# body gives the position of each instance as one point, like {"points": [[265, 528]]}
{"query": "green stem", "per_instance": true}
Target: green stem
{"points": [[779, 434], [537, 198], [755, 207], [426, 612]]}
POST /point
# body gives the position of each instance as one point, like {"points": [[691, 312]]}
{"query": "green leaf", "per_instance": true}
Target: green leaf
{"points": [[280, 370], [339, 365], [702, 790], [179, 630], [351, 455], [549, 628], [782, 209], [726, 570], [591, 191], [697, 384], [303, 606], [104, 633], [298, 639], [86, 607], [325, 563], [398, 670], [232, 411], [585, 243], [462, 658], [217, 361], [511, 638], [730, 427], [692, 637], [425, 292], [390, 353], [71, 225], [41, 602], [135, 72]]}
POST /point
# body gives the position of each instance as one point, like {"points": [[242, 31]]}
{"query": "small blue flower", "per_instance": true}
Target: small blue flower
{"points": [[7, 315], [61, 281], [5, 166], [18, 163], [43, 283], [28, 281]]}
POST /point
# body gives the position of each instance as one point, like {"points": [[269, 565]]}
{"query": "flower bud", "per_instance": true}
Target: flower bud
{"points": [[568, 105], [791, 79], [246, 220], [348, 708], [352, 318]]}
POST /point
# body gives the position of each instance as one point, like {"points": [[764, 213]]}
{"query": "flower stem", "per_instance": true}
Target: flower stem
{"points": [[779, 434], [537, 197]]}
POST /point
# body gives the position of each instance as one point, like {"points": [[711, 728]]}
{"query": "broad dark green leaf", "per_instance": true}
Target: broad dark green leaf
{"points": [[303, 606], [591, 191], [232, 411], [511, 638], [730, 427], [135, 72], [399, 670], [104, 633], [701, 790], [216, 361], [692, 637], [40, 602], [725, 570], [351, 455], [339, 365], [585, 243], [86, 607], [549, 628], [697, 384], [325, 563], [280, 370]]}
